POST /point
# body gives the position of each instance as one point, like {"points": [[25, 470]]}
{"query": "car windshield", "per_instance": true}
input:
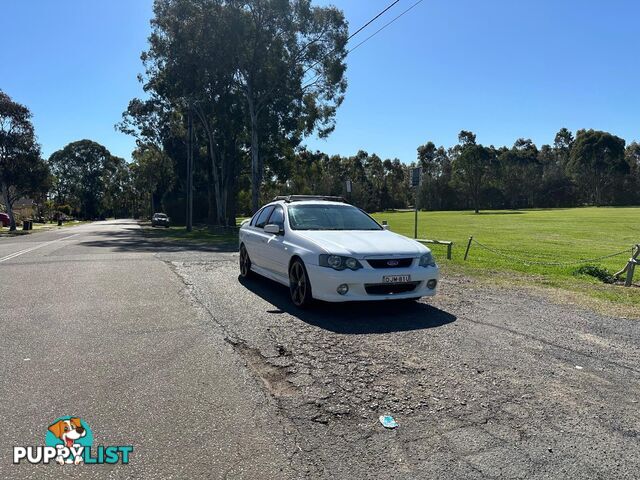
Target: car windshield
{"points": [[161, 215], [330, 217]]}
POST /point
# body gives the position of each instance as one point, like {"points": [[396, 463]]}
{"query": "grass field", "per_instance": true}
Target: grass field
{"points": [[526, 238]]}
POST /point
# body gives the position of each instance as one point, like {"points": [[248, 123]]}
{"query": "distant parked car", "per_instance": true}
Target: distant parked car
{"points": [[160, 220], [4, 219]]}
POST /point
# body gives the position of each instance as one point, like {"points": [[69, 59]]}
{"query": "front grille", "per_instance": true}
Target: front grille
{"points": [[390, 288], [385, 262]]}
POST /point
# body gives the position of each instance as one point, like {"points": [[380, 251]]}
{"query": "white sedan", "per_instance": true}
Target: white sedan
{"points": [[325, 249]]}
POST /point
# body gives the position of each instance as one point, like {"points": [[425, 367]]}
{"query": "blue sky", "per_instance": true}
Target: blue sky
{"points": [[501, 68]]}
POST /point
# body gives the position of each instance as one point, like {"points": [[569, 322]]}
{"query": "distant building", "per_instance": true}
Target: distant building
{"points": [[24, 208]]}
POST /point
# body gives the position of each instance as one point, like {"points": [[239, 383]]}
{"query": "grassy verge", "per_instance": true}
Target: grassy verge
{"points": [[199, 234], [520, 247], [40, 227]]}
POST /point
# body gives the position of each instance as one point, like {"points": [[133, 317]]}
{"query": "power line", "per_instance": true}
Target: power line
{"points": [[385, 25], [369, 37], [371, 21], [333, 51], [351, 36]]}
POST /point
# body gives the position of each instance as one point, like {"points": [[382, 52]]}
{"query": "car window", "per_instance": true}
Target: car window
{"points": [[255, 218], [262, 218], [330, 217], [277, 217]]}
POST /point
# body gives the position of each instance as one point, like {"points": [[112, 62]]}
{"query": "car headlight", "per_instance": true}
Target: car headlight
{"points": [[338, 262], [427, 260]]}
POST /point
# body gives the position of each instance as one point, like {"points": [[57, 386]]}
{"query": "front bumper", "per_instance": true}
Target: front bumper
{"points": [[325, 281]]}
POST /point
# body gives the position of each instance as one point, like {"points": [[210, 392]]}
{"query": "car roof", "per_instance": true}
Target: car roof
{"points": [[308, 202]]}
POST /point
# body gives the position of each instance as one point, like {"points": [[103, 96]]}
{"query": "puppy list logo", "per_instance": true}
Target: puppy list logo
{"points": [[69, 440]]}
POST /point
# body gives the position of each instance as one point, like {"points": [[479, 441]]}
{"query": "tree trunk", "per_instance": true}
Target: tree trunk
{"points": [[256, 167], [9, 205], [216, 180], [214, 167], [211, 198], [189, 219]]}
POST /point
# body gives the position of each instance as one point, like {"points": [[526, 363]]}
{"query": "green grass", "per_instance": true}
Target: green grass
{"points": [[40, 227], [198, 234], [526, 237]]}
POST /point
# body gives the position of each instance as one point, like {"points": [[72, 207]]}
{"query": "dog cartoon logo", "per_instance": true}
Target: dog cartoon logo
{"points": [[69, 440], [70, 435]]}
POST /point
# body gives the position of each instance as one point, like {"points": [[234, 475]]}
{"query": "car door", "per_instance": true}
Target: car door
{"points": [[255, 238], [276, 250]]}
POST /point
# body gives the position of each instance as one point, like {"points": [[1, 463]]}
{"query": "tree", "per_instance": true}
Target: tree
{"points": [[117, 184], [597, 159], [82, 173], [436, 175], [154, 172], [562, 145], [291, 71], [471, 165], [521, 173], [22, 170], [632, 184]]}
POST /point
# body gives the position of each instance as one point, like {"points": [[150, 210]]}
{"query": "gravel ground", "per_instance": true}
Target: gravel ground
{"points": [[483, 382]]}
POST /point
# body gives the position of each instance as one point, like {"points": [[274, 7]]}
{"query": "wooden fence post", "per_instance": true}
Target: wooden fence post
{"points": [[466, 253], [630, 268]]}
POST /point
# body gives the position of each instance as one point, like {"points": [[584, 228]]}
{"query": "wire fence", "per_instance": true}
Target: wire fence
{"points": [[528, 262]]}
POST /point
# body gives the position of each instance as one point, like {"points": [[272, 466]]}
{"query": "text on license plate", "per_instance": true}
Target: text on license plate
{"points": [[396, 278]]}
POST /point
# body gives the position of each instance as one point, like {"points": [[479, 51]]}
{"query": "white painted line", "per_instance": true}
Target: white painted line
{"points": [[27, 250]]}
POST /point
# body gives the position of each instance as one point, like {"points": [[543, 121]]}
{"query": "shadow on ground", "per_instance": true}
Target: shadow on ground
{"points": [[353, 318], [133, 239]]}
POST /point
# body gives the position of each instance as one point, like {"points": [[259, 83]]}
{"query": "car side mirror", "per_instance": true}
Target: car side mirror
{"points": [[272, 228], [385, 227]]}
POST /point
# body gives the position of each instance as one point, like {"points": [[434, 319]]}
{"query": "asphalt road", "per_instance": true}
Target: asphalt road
{"points": [[160, 346]]}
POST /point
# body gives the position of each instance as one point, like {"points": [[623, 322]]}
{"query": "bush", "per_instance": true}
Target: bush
{"points": [[66, 209], [600, 273]]}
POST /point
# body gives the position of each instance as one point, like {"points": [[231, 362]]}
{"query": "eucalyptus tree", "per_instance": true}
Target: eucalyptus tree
{"points": [[597, 160], [291, 70], [471, 166], [23, 172], [154, 173], [189, 68], [83, 170], [521, 173]]}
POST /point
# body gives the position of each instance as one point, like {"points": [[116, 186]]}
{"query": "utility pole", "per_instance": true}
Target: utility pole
{"points": [[416, 180], [415, 219], [189, 170]]}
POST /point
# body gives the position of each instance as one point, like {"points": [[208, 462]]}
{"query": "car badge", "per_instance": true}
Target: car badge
{"points": [[392, 263]]}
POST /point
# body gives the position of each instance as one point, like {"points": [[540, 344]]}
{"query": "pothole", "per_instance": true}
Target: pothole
{"points": [[272, 375]]}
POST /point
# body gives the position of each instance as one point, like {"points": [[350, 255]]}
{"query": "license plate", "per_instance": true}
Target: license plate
{"points": [[396, 278]]}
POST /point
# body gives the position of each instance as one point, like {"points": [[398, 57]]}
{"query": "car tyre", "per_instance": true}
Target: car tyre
{"points": [[299, 285], [245, 263]]}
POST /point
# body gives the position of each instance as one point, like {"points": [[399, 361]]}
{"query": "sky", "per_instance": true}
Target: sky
{"points": [[503, 69]]}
